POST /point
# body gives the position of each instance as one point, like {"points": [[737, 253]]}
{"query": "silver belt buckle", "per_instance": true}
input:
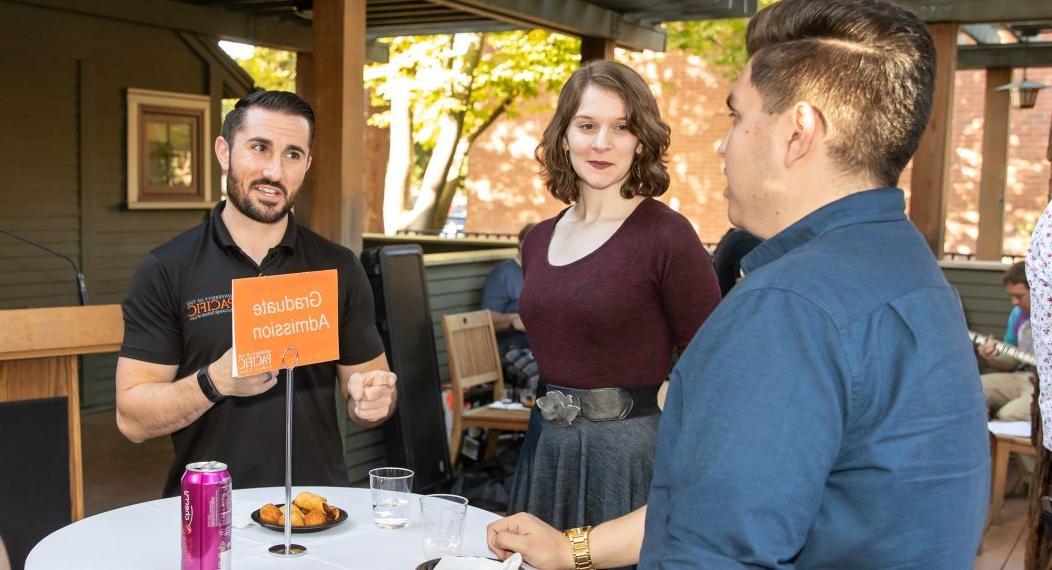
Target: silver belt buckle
{"points": [[605, 404], [559, 408]]}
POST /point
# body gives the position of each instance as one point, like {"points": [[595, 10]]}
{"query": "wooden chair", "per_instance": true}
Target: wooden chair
{"points": [[474, 360], [1002, 447]]}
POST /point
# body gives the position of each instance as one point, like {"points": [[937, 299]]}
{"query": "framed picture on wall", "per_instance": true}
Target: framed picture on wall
{"points": [[169, 164]]}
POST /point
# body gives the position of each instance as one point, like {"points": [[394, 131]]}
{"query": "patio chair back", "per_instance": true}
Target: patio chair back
{"points": [[472, 346], [474, 360]]}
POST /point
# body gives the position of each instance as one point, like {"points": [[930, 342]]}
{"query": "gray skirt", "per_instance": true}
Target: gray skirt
{"points": [[585, 473]]}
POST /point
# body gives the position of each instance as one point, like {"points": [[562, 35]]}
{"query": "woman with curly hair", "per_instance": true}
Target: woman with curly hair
{"points": [[615, 285]]}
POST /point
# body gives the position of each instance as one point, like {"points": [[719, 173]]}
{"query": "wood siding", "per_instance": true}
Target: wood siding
{"points": [[986, 305], [64, 182], [39, 196]]}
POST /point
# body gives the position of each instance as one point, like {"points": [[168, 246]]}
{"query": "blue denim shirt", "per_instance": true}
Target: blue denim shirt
{"points": [[829, 413]]}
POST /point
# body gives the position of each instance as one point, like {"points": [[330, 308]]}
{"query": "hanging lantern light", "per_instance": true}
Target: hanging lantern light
{"points": [[1023, 94]]}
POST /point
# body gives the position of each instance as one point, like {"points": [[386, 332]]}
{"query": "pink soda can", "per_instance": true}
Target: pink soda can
{"points": [[205, 511]]}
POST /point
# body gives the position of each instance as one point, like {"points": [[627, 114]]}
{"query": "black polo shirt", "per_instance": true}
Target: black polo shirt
{"points": [[177, 312]]}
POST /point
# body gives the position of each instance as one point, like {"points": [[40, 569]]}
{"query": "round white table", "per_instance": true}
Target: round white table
{"points": [[146, 536]]}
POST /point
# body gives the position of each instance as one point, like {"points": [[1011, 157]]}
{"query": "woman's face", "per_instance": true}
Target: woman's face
{"points": [[600, 146]]}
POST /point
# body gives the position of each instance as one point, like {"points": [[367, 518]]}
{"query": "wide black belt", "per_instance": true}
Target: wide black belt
{"points": [[563, 405]]}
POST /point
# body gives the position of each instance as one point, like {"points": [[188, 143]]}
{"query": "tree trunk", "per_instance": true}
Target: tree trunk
{"points": [[399, 161], [458, 169], [423, 216], [441, 166], [454, 182], [445, 200]]}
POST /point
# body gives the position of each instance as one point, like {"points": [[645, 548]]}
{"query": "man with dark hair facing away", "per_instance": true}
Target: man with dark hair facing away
{"points": [[828, 414], [174, 371]]}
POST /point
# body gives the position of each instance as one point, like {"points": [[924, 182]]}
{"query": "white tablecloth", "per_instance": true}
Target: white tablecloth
{"points": [[147, 537]]}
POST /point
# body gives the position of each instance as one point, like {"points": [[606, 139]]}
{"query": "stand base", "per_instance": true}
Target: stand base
{"points": [[278, 551]]}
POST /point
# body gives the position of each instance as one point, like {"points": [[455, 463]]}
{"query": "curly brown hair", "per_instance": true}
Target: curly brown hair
{"points": [[648, 175]]}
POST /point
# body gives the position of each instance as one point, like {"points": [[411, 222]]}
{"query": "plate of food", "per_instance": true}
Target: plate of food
{"points": [[310, 513]]}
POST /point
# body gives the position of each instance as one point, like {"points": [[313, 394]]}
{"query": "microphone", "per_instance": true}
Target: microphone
{"points": [[82, 287]]}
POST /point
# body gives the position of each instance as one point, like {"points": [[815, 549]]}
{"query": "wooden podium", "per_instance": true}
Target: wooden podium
{"points": [[38, 359]]}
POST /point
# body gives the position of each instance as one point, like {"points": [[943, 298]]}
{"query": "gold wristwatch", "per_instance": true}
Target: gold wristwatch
{"points": [[582, 557]]}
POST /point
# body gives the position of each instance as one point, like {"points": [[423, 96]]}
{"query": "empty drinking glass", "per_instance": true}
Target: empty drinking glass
{"points": [[443, 523], [391, 488]]}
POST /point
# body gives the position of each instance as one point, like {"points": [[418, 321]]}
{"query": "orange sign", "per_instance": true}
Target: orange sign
{"points": [[275, 313]]}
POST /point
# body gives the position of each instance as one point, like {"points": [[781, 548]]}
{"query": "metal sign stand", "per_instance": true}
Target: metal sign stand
{"points": [[287, 549]]}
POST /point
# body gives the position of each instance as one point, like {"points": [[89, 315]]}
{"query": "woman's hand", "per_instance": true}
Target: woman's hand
{"points": [[540, 545]]}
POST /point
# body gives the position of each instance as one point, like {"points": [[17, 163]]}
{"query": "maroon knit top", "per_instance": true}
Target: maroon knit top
{"points": [[616, 316]]}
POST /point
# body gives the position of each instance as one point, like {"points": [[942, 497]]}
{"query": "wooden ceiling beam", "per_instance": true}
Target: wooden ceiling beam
{"points": [[214, 21], [978, 11], [1004, 55]]}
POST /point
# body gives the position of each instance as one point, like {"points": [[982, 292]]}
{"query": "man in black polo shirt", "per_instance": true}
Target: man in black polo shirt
{"points": [[174, 370]]}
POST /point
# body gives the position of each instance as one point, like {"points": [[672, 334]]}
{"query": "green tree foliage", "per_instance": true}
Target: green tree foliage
{"points": [[271, 69], [720, 42], [504, 68], [450, 89]]}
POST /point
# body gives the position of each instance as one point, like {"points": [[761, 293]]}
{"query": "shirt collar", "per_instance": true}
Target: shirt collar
{"points": [[880, 205], [222, 236]]}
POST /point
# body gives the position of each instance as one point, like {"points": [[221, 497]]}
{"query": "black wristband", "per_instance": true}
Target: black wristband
{"points": [[208, 388]]}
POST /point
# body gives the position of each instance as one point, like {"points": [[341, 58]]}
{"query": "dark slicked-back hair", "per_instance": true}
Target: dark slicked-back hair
{"points": [[648, 175], [279, 101], [868, 66]]}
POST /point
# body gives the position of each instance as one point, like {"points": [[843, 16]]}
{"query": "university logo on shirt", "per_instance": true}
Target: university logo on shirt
{"points": [[208, 307]]}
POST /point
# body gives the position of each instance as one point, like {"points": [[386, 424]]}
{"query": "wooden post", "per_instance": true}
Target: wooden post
{"points": [[305, 89], [339, 144], [931, 162], [305, 76], [995, 165], [596, 48]]}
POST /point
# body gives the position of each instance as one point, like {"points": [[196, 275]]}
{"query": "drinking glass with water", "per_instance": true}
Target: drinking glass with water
{"points": [[391, 487], [443, 523]]}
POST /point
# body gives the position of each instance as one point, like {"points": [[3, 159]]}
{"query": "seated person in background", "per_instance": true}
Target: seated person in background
{"points": [[1009, 390], [733, 246], [500, 296]]}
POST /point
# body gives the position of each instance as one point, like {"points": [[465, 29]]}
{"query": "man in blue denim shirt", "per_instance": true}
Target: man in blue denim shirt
{"points": [[840, 423], [828, 414]]}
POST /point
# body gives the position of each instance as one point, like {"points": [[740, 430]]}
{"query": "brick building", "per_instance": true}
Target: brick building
{"points": [[504, 191]]}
